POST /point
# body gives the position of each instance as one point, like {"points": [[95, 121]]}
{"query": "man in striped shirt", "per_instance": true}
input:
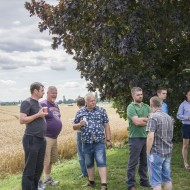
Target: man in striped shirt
{"points": [[159, 146]]}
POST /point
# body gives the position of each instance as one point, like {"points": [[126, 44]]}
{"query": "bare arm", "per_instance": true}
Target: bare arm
{"points": [[108, 135], [24, 119], [139, 121], [149, 142]]}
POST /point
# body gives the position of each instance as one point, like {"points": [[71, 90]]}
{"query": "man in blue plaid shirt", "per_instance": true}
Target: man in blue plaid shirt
{"points": [[159, 146]]}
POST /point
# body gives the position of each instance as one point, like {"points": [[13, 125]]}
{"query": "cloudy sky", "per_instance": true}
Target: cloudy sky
{"points": [[26, 56]]}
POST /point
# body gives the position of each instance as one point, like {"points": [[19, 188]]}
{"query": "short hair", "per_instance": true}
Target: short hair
{"points": [[88, 95], [51, 88], [187, 90], [155, 101], [135, 89], [80, 102], [159, 90], [35, 85]]}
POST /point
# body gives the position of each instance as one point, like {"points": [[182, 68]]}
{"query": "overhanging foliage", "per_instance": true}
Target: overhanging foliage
{"points": [[118, 44]]}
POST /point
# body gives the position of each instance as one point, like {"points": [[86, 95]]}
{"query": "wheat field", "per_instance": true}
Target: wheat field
{"points": [[11, 133]]}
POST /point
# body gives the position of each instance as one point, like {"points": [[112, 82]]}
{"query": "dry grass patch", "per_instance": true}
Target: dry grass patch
{"points": [[11, 132]]}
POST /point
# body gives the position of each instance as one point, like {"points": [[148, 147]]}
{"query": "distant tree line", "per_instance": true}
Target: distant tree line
{"points": [[9, 103], [71, 101]]}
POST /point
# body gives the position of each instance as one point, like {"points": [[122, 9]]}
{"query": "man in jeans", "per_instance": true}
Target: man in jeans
{"points": [[137, 113], [93, 121], [159, 146], [81, 104], [34, 144]]}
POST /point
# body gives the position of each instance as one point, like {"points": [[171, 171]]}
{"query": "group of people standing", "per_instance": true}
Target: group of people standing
{"points": [[150, 138], [43, 125], [150, 141]]}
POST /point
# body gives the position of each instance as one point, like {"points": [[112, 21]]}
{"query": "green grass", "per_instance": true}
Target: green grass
{"points": [[67, 173]]}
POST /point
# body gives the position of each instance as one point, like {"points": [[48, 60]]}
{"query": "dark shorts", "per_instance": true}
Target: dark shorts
{"points": [[185, 131]]}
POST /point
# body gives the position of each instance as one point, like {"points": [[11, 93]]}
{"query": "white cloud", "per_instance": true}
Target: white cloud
{"points": [[42, 42], [16, 22], [71, 85], [7, 82], [26, 56]]}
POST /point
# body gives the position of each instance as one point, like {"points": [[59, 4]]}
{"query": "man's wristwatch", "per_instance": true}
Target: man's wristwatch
{"points": [[108, 141]]}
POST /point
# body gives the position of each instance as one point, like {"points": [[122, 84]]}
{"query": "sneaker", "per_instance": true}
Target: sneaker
{"points": [[41, 185], [50, 181], [39, 188], [81, 176]]}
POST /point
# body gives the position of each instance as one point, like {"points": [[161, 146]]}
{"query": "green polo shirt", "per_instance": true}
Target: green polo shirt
{"points": [[140, 111]]}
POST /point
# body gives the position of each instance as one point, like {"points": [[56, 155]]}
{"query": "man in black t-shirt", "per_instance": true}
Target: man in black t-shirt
{"points": [[34, 144]]}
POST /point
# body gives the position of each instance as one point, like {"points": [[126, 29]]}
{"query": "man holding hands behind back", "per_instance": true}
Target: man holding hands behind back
{"points": [[159, 146]]}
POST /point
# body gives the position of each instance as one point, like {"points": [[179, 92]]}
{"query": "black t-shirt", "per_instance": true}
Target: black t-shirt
{"points": [[38, 126]]}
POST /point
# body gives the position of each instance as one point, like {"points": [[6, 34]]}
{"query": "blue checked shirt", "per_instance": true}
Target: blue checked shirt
{"points": [[93, 131], [162, 125]]}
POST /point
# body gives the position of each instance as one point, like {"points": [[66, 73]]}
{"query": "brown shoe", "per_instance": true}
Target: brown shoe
{"points": [[89, 184]]}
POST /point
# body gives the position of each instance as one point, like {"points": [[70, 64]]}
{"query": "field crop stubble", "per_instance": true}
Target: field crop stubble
{"points": [[11, 133]]}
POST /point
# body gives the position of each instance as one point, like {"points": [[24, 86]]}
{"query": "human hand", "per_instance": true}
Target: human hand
{"points": [[150, 114], [84, 119], [108, 144], [82, 123], [145, 119], [41, 113]]}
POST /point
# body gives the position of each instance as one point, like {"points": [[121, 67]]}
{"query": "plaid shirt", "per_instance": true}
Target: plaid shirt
{"points": [[94, 130], [162, 125]]}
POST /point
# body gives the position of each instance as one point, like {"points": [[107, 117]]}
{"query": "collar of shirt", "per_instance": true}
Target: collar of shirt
{"points": [[158, 110]]}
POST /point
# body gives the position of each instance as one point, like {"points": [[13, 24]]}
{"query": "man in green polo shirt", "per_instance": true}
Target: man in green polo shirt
{"points": [[137, 113]]}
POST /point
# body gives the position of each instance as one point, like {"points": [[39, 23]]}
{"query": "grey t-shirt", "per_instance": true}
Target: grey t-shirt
{"points": [[38, 126]]}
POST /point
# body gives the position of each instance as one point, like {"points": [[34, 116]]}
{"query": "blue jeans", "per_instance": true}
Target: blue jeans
{"points": [[95, 151], [34, 149], [81, 155], [137, 156], [159, 169]]}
